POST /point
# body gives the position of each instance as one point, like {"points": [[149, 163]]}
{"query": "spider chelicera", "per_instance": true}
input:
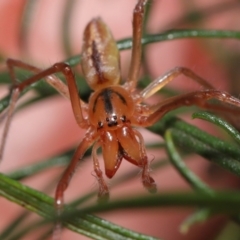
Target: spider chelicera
{"points": [[113, 109]]}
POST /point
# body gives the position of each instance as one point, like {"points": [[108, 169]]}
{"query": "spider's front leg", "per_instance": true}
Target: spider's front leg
{"points": [[51, 79], [87, 141], [197, 98], [161, 81], [69, 91]]}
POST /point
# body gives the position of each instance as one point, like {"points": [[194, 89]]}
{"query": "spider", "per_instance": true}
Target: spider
{"points": [[113, 110]]}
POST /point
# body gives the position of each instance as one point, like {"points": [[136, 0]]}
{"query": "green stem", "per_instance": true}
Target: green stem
{"points": [[219, 122], [195, 140], [41, 204], [181, 167]]}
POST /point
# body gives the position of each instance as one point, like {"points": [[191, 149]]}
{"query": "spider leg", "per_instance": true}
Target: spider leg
{"points": [[161, 81], [51, 80], [138, 15], [58, 67], [69, 91], [147, 180], [133, 150], [197, 98], [88, 140], [103, 192]]}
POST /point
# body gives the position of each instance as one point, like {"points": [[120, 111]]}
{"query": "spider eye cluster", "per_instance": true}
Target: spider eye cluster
{"points": [[112, 120], [110, 107]]}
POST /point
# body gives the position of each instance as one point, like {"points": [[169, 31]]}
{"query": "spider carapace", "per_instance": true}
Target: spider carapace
{"points": [[113, 109]]}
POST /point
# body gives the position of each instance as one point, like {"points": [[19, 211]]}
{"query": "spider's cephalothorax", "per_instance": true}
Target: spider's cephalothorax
{"points": [[110, 108], [110, 112]]}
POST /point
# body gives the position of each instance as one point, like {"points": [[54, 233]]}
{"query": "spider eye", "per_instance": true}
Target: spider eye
{"points": [[112, 120], [100, 124], [123, 118]]}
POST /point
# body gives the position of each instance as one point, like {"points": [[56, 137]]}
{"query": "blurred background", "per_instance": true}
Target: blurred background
{"points": [[44, 32]]}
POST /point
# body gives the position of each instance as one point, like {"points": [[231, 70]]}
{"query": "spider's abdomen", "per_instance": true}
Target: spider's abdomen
{"points": [[100, 56], [110, 107]]}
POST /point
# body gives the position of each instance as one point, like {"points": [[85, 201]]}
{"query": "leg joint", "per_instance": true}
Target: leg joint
{"points": [[62, 67]]}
